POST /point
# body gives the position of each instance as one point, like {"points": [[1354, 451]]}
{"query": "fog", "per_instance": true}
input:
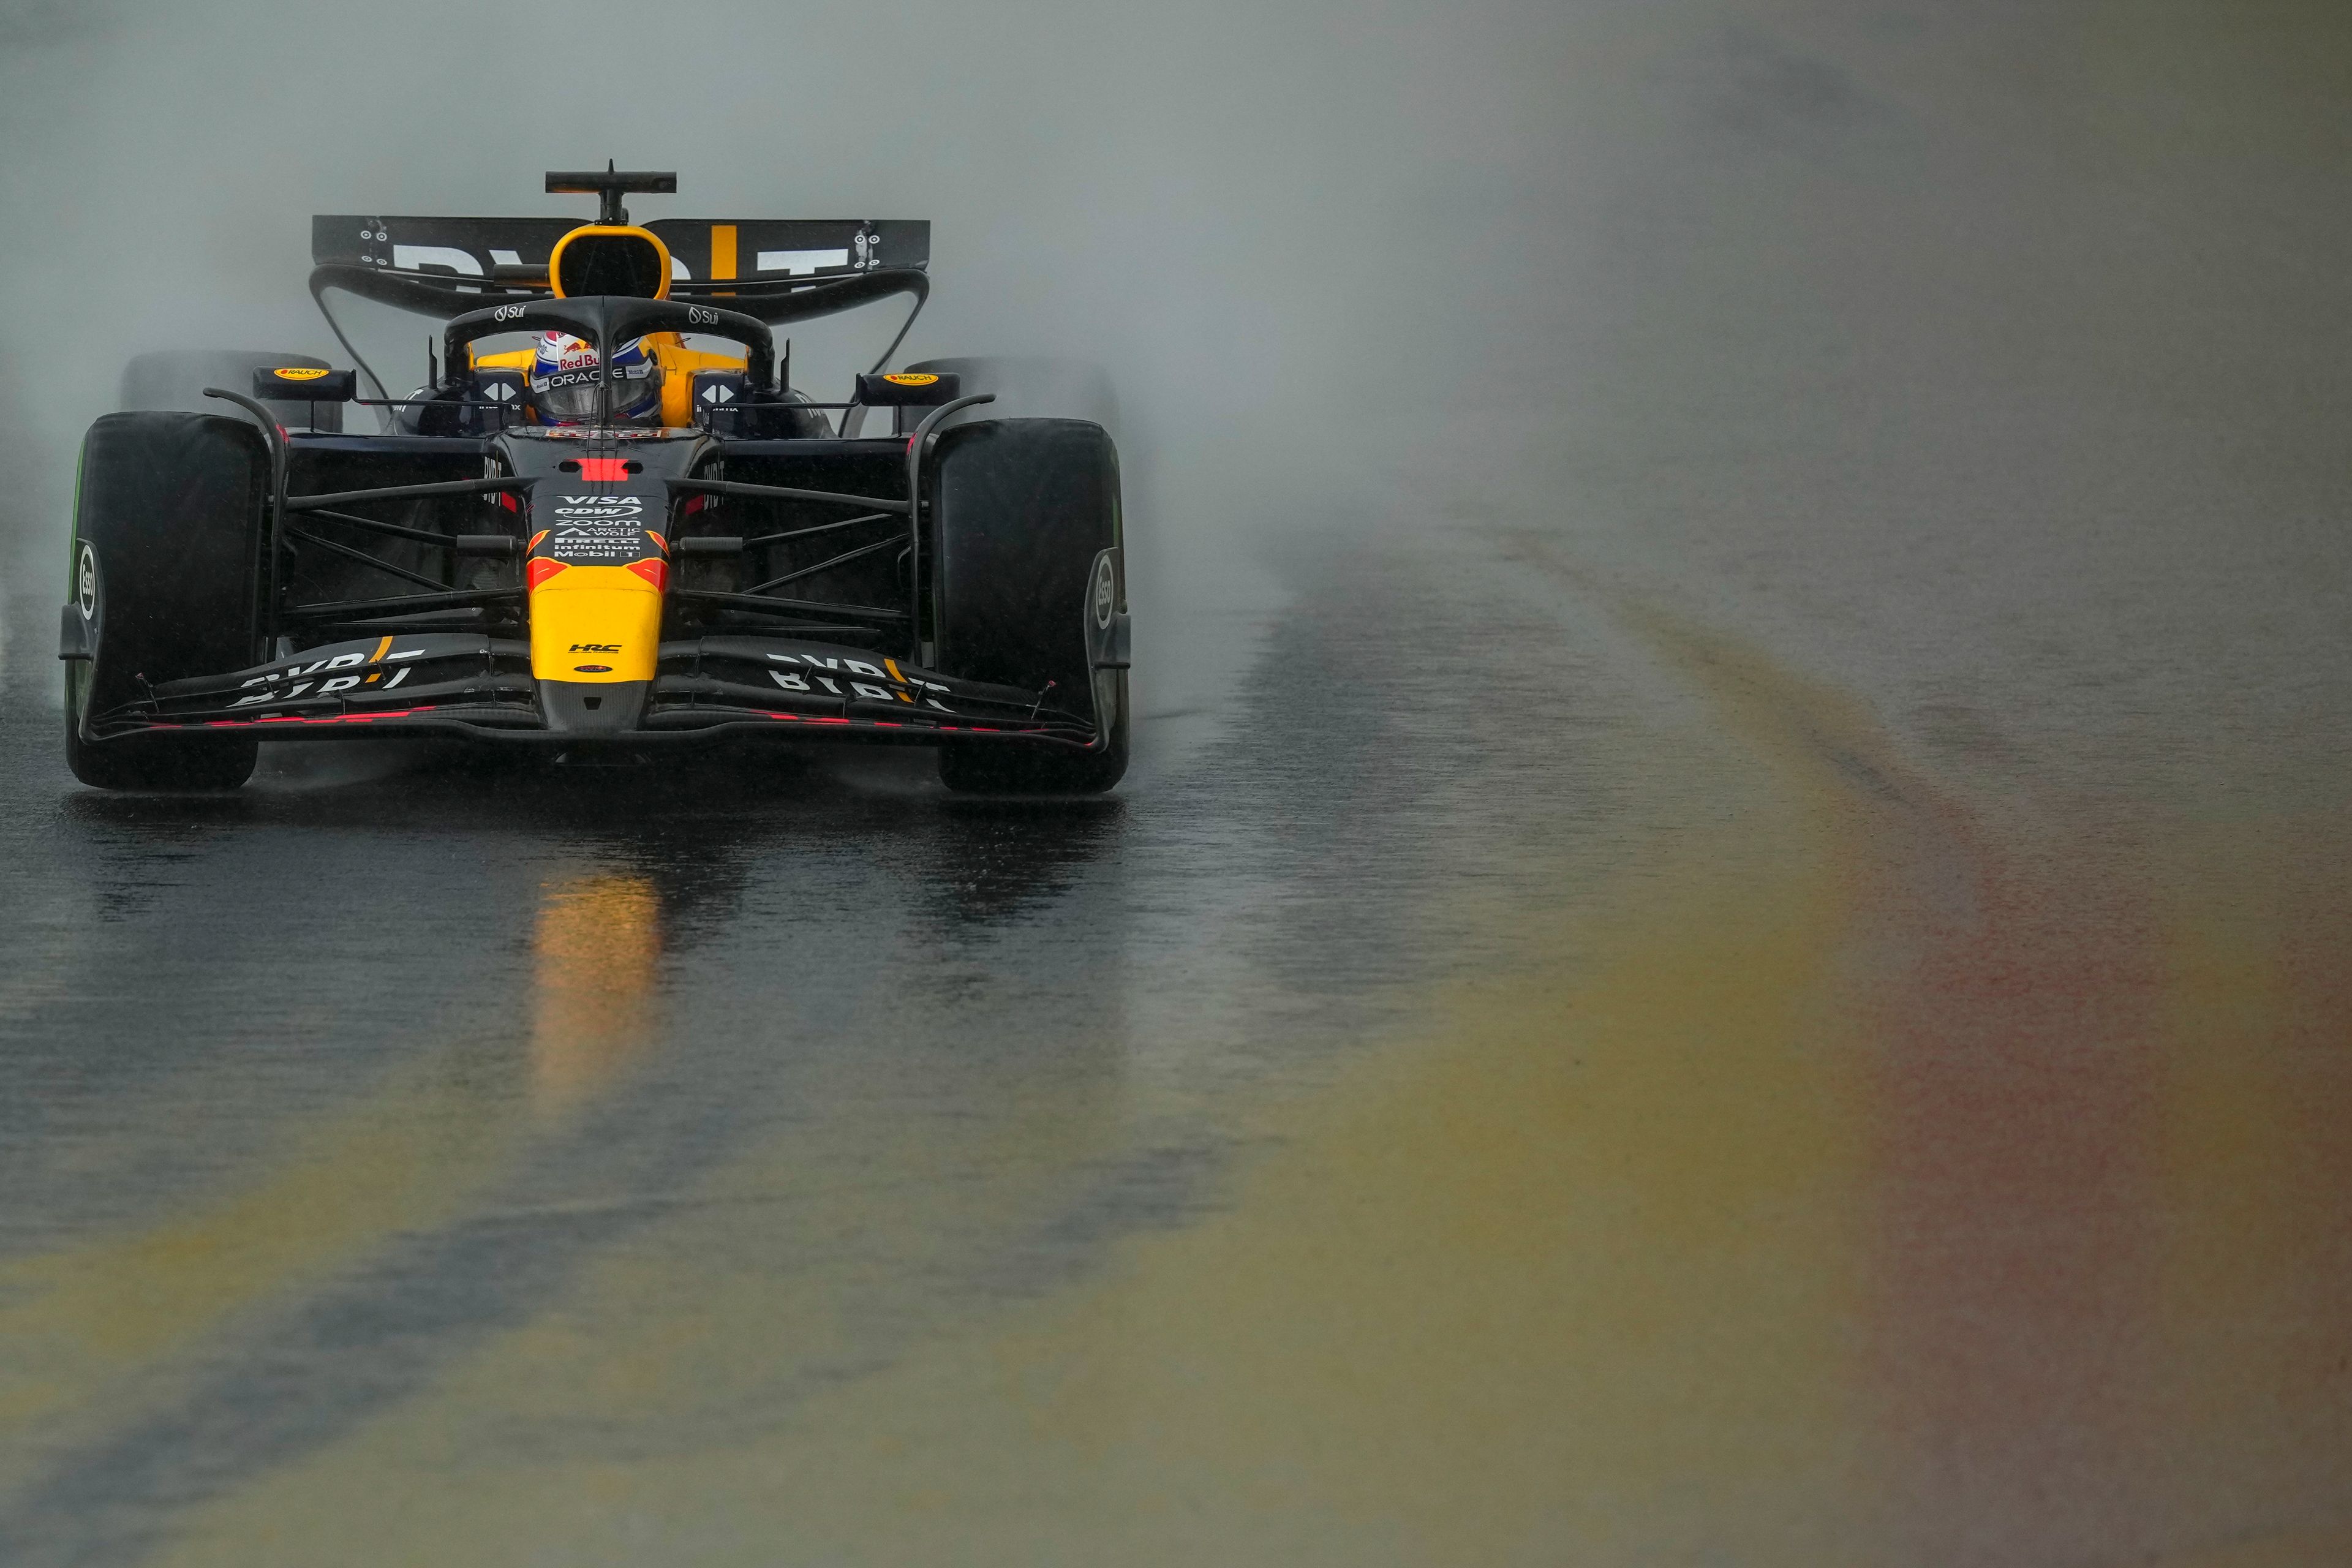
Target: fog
{"points": [[1869, 284], [1296, 236]]}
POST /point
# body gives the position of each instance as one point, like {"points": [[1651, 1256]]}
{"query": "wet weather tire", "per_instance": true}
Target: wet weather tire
{"points": [[1023, 511], [165, 564]]}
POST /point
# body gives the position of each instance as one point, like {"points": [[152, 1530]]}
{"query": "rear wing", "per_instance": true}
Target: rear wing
{"points": [[703, 251], [775, 270]]}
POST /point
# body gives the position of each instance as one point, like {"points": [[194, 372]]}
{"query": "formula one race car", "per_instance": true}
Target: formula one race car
{"points": [[594, 536]]}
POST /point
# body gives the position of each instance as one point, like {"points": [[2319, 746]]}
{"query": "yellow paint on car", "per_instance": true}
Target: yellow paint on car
{"points": [[592, 617]]}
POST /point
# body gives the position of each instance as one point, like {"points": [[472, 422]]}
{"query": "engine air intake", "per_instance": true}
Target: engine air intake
{"points": [[601, 258]]}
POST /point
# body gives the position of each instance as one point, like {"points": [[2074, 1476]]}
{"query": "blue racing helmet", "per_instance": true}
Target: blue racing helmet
{"points": [[566, 379]]}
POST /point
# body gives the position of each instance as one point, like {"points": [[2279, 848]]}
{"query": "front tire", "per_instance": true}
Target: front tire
{"points": [[165, 566], [1026, 513]]}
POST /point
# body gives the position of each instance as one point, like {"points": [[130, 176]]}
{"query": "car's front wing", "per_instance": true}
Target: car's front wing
{"points": [[466, 684]]}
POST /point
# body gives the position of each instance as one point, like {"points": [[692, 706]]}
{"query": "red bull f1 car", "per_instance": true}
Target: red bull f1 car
{"points": [[608, 524]]}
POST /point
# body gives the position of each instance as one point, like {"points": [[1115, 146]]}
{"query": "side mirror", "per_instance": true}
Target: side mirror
{"points": [[305, 383], [908, 389]]}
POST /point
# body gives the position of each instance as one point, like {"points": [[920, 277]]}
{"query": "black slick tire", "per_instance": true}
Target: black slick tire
{"points": [[165, 568], [1023, 508]]}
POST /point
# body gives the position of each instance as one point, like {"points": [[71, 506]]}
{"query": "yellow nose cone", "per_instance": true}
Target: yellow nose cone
{"points": [[596, 623]]}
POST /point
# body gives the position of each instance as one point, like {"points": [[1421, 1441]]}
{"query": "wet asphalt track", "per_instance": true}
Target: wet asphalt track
{"points": [[1753, 966]]}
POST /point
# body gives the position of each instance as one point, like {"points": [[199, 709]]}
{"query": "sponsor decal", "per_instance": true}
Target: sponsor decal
{"points": [[348, 671], [599, 506], [298, 372], [587, 374], [416, 257], [800, 263], [821, 670], [911, 378], [595, 647], [854, 666], [695, 315], [301, 686], [597, 530], [793, 680], [339, 661], [592, 669], [85, 582], [596, 544]]}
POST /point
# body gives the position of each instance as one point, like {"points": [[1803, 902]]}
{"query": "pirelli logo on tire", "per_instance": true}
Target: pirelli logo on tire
{"points": [[1105, 593], [1105, 625]]}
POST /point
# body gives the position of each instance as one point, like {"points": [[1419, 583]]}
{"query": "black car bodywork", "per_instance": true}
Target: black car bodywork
{"points": [[958, 583]]}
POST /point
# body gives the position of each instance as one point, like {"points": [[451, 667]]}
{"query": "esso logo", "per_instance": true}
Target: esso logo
{"points": [[506, 313], [697, 316]]}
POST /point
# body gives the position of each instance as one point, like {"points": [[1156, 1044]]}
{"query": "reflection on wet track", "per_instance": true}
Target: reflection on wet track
{"points": [[596, 949], [1738, 1136]]}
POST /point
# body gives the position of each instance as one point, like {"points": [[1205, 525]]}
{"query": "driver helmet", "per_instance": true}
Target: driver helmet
{"points": [[565, 379]]}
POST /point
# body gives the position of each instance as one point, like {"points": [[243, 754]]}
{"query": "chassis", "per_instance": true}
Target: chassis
{"points": [[761, 571]]}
